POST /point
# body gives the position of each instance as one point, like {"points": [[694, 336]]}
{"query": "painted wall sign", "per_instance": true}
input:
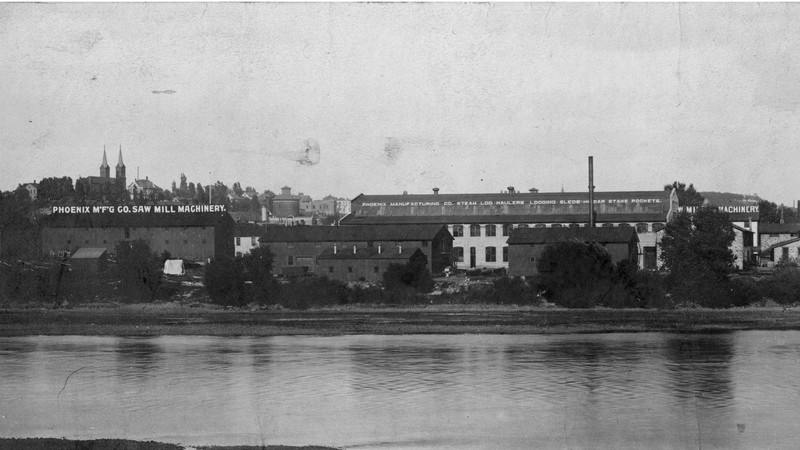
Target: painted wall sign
{"points": [[138, 209]]}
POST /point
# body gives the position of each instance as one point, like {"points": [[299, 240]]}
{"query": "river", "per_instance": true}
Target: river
{"points": [[638, 390]]}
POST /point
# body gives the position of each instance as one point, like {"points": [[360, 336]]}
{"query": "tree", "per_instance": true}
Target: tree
{"points": [[54, 189], [696, 252], [192, 190], [686, 196], [237, 189], [184, 186], [225, 281], [257, 267], [575, 274], [414, 274], [768, 212], [138, 269], [175, 188], [201, 196]]}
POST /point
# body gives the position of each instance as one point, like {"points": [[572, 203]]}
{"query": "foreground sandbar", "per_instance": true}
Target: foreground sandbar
{"points": [[177, 319]]}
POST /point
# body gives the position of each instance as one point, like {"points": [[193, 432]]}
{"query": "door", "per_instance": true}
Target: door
{"points": [[471, 257]]}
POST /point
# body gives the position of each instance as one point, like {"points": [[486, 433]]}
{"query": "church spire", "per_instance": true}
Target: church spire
{"points": [[104, 170], [119, 164]]}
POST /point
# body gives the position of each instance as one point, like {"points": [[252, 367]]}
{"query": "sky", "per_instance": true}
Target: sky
{"points": [[350, 98]]}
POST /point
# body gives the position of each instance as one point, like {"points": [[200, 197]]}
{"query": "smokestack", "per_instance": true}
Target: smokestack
{"points": [[511, 189], [591, 192], [436, 191]]}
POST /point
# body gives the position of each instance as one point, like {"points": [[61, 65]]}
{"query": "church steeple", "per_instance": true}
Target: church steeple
{"points": [[105, 171], [121, 166]]}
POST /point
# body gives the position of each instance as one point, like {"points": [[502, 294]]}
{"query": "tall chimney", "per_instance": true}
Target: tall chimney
{"points": [[436, 191], [511, 189], [591, 192]]}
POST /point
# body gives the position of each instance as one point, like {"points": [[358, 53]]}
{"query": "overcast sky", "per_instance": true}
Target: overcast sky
{"points": [[406, 97]]}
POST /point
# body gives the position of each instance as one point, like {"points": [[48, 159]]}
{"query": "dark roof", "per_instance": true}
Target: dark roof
{"points": [[89, 253], [352, 219], [346, 253], [778, 228], [546, 235], [781, 244], [136, 220], [246, 216], [248, 230], [353, 233], [662, 195]]}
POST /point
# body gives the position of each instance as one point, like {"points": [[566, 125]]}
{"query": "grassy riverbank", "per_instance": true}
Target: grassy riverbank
{"points": [[182, 319], [121, 444]]}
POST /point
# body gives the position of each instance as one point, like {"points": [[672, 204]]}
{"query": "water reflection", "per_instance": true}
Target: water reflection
{"points": [[652, 390]]}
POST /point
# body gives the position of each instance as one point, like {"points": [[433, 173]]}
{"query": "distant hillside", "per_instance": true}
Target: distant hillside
{"points": [[729, 198]]}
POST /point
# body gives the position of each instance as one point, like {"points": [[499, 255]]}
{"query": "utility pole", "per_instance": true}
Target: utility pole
{"points": [[591, 192]]}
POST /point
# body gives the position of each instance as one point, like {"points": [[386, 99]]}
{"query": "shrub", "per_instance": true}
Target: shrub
{"points": [[257, 267], [316, 292], [413, 274], [575, 274], [783, 286], [224, 280], [505, 290]]}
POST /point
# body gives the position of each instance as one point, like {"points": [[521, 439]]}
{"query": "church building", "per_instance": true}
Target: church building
{"points": [[104, 185]]}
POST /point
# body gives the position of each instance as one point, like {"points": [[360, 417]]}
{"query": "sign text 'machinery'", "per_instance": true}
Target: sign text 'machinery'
{"points": [[138, 209]]}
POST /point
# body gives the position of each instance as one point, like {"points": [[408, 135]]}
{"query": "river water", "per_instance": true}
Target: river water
{"points": [[642, 390]]}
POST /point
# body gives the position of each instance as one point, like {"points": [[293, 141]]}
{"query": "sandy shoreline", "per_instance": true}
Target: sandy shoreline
{"points": [[177, 319]]}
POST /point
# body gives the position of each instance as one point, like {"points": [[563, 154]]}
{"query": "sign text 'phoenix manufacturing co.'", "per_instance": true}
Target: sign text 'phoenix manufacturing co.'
{"points": [[138, 209], [517, 202]]}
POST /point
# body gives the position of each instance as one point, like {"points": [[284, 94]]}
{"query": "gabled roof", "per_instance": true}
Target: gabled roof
{"points": [[89, 253], [778, 228], [248, 230], [346, 253], [602, 235], [353, 233], [781, 244]]}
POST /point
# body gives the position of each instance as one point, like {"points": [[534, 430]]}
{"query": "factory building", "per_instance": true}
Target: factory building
{"points": [[195, 232], [298, 248], [481, 223]]}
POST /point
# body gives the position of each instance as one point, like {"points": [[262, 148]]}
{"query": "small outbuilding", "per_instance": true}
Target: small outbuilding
{"points": [[525, 245], [88, 261]]}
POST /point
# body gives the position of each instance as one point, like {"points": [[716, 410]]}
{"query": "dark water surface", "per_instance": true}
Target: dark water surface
{"points": [[642, 390]]}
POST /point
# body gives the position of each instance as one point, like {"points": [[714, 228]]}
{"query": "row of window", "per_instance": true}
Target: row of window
{"points": [[253, 241], [490, 254], [371, 244], [491, 230], [105, 241]]}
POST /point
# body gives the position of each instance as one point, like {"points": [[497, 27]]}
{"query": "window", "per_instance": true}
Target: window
{"points": [[533, 259], [574, 225], [474, 230], [87, 241], [349, 269], [330, 269], [290, 245], [318, 244], [238, 241], [424, 243], [556, 225], [624, 225], [642, 228], [253, 241], [69, 241], [458, 253], [491, 254], [290, 260], [370, 244], [505, 254], [458, 230], [507, 229], [127, 233], [608, 225], [377, 269], [204, 241], [658, 226], [491, 230]]}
